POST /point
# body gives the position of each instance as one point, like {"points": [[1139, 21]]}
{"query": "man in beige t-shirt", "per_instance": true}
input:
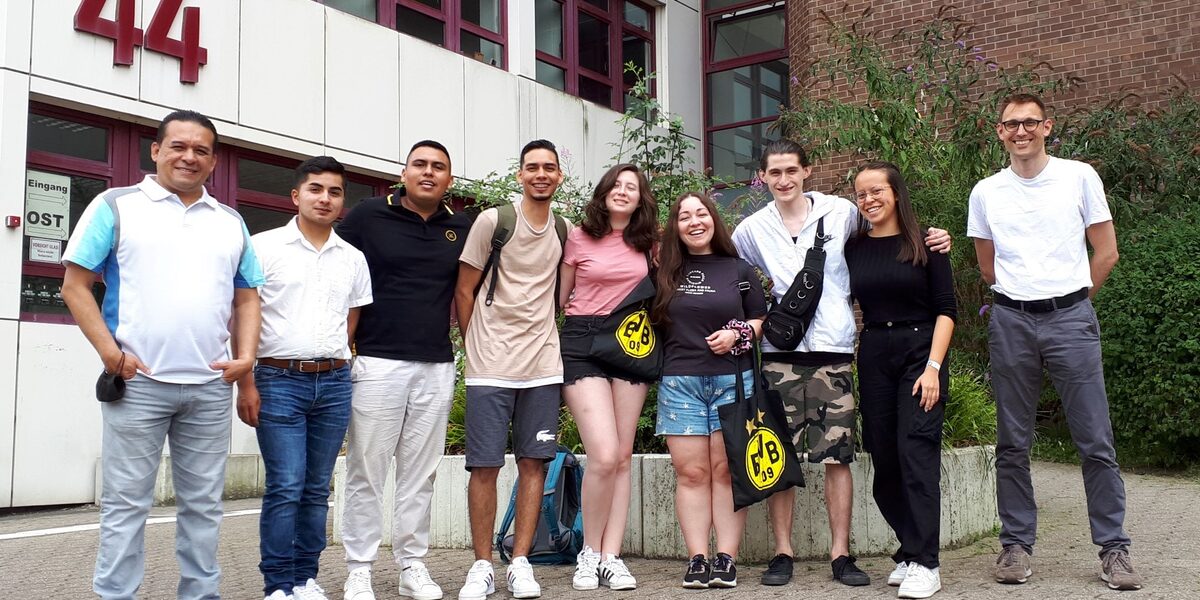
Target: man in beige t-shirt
{"points": [[514, 369]]}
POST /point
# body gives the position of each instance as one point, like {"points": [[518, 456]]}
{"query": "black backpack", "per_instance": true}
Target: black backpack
{"points": [[506, 223]]}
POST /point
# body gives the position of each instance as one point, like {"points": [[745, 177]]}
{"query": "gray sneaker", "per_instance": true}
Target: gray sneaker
{"points": [[1012, 566], [1116, 569]]}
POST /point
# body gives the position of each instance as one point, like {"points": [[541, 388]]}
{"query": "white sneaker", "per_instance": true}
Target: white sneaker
{"points": [[920, 582], [615, 574], [897, 576], [416, 583], [481, 581], [520, 579], [358, 585], [309, 591], [585, 570], [278, 595]]}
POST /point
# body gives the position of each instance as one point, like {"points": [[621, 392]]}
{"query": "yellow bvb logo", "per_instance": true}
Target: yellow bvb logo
{"points": [[764, 456], [635, 336]]}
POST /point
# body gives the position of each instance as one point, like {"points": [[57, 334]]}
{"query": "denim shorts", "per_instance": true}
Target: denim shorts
{"points": [[687, 404]]}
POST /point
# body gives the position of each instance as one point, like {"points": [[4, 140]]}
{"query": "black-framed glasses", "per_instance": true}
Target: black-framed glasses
{"points": [[1028, 124]]}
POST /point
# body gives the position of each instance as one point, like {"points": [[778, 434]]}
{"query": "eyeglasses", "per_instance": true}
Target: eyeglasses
{"points": [[875, 193], [1028, 124]]}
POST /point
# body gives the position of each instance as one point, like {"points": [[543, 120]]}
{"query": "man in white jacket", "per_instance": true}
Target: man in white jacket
{"points": [[814, 380]]}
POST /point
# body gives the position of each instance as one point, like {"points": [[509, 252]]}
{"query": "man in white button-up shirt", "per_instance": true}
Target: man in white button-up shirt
{"points": [[298, 396]]}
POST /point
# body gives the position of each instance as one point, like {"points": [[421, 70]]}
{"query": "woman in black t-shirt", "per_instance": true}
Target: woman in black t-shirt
{"points": [[711, 305], [907, 299]]}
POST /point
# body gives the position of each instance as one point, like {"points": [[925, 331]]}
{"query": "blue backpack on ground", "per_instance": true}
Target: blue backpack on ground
{"points": [[559, 536]]}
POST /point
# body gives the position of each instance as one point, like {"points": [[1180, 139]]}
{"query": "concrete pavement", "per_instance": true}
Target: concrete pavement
{"points": [[1163, 520]]}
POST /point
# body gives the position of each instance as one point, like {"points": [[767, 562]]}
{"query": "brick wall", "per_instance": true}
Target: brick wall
{"points": [[1114, 46]]}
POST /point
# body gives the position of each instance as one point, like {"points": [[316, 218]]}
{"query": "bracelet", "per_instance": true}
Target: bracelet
{"points": [[937, 366], [745, 336]]}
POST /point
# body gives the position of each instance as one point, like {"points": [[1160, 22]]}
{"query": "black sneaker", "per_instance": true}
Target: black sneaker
{"points": [[698, 573], [846, 572], [779, 570], [724, 573]]}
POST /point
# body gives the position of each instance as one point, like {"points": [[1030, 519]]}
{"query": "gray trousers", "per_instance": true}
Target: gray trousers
{"points": [[196, 420], [1067, 342]]}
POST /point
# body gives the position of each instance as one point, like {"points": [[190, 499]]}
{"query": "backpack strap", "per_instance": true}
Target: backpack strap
{"points": [[506, 524], [553, 474], [506, 224]]}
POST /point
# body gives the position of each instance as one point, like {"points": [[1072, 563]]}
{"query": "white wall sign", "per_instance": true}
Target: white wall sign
{"points": [[47, 205], [47, 251]]}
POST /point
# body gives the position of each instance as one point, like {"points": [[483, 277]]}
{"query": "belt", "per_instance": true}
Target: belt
{"points": [[315, 365], [894, 324], [1043, 306]]}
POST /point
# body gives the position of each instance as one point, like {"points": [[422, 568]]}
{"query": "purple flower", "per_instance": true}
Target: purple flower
{"points": [[984, 308], [908, 69], [979, 58], [795, 80], [756, 184], [566, 153], [716, 195], [961, 45], [977, 49], [991, 66]]}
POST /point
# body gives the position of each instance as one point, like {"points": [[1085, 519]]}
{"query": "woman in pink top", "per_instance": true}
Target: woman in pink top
{"points": [[604, 259]]}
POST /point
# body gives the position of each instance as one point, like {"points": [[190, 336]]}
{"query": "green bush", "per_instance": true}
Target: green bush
{"points": [[1150, 322], [970, 412]]}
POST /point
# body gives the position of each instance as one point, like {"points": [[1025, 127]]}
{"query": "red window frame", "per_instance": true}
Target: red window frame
{"points": [[615, 78], [122, 168], [452, 23], [711, 18]]}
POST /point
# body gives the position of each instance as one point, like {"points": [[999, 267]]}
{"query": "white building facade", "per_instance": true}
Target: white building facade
{"points": [[83, 83]]}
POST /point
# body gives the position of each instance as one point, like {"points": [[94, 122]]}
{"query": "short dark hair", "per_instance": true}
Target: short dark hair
{"points": [[186, 116], [538, 145], [1021, 98], [429, 144], [784, 146], [317, 165]]}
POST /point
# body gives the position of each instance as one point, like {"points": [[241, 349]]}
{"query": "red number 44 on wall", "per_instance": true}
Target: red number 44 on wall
{"points": [[157, 37]]}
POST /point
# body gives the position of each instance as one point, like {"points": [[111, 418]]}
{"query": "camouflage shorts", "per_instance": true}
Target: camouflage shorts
{"points": [[819, 405]]}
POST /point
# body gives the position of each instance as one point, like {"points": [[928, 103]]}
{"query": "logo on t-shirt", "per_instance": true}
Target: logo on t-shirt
{"points": [[450, 235], [693, 284]]}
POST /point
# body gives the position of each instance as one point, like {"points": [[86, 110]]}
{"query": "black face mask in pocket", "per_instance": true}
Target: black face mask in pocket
{"points": [[110, 387]]}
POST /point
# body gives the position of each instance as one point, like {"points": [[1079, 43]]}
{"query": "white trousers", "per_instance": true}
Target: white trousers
{"points": [[399, 409]]}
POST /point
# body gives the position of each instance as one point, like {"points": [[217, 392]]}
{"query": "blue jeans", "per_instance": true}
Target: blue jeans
{"points": [[197, 419], [301, 425], [687, 404]]}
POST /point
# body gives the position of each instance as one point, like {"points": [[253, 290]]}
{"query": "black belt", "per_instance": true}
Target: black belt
{"points": [[1043, 306], [316, 365], [894, 324]]}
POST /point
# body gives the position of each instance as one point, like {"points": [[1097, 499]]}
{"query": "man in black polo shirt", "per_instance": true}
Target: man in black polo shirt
{"points": [[404, 371]]}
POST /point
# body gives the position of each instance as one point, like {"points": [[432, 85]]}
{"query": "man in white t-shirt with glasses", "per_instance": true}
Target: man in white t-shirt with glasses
{"points": [[1032, 223]]}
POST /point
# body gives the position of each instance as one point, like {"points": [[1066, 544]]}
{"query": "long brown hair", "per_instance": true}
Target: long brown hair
{"points": [[912, 239], [673, 252], [642, 231]]}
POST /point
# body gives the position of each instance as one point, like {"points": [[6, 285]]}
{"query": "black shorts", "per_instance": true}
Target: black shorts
{"points": [[575, 343]]}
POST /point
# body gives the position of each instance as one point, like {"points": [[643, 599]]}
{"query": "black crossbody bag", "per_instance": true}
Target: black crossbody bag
{"points": [[787, 322], [626, 340]]}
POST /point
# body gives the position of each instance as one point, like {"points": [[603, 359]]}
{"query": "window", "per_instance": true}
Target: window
{"points": [[747, 79], [582, 46], [72, 157], [473, 28]]}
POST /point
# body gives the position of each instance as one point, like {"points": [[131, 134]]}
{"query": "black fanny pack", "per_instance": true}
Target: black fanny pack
{"points": [[787, 322]]}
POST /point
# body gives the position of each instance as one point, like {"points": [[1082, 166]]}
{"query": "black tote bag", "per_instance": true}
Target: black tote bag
{"points": [[762, 458]]}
